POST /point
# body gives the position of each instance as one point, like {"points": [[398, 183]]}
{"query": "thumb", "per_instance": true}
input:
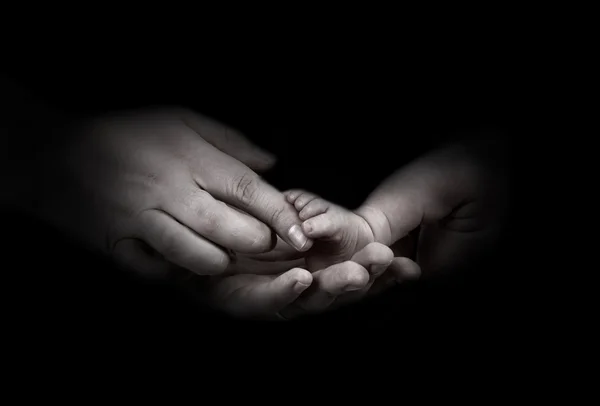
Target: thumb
{"points": [[261, 296], [230, 141]]}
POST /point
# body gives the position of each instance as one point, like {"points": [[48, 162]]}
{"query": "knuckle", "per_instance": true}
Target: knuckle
{"points": [[193, 199], [209, 222], [245, 188], [206, 215]]}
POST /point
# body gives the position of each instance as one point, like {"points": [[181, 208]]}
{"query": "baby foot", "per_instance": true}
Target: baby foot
{"points": [[337, 232]]}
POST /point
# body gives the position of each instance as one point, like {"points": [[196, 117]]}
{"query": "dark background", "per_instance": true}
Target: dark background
{"points": [[338, 125]]}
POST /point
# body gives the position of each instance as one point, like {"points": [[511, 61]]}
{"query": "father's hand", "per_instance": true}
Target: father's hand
{"points": [[173, 181], [272, 287]]}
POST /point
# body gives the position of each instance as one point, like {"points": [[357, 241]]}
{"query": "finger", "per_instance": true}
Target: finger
{"points": [[300, 198], [374, 257], [137, 256], [292, 194], [261, 296], [216, 221], [404, 268], [180, 245], [322, 226], [331, 282], [400, 270], [230, 141], [279, 292], [343, 277], [314, 208], [232, 182]]}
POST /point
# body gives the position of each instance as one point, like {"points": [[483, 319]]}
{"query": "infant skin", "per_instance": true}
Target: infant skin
{"points": [[338, 234]]}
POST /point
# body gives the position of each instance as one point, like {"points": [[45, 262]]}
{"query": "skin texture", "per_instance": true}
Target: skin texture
{"points": [[456, 196], [167, 190], [163, 188], [343, 265], [283, 289], [453, 197], [338, 232]]}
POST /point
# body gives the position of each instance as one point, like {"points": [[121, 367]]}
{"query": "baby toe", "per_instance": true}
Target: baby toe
{"points": [[321, 226], [292, 194], [303, 199], [314, 208]]}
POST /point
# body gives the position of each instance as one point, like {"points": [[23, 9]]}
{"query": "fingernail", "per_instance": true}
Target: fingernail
{"points": [[351, 288], [300, 287], [297, 237]]}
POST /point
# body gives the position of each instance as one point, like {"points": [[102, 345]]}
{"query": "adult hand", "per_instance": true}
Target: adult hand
{"points": [[276, 286], [456, 198], [170, 180]]}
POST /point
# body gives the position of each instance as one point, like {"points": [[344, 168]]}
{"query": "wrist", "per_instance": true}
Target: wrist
{"points": [[392, 216], [378, 222]]}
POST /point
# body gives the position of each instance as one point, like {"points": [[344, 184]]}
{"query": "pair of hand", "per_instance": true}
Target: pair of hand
{"points": [[275, 285], [167, 190], [164, 188]]}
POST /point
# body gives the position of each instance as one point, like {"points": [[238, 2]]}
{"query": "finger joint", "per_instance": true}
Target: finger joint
{"points": [[245, 188]]}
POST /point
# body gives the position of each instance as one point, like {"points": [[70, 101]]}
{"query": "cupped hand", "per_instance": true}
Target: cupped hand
{"points": [[277, 286], [166, 187], [454, 201]]}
